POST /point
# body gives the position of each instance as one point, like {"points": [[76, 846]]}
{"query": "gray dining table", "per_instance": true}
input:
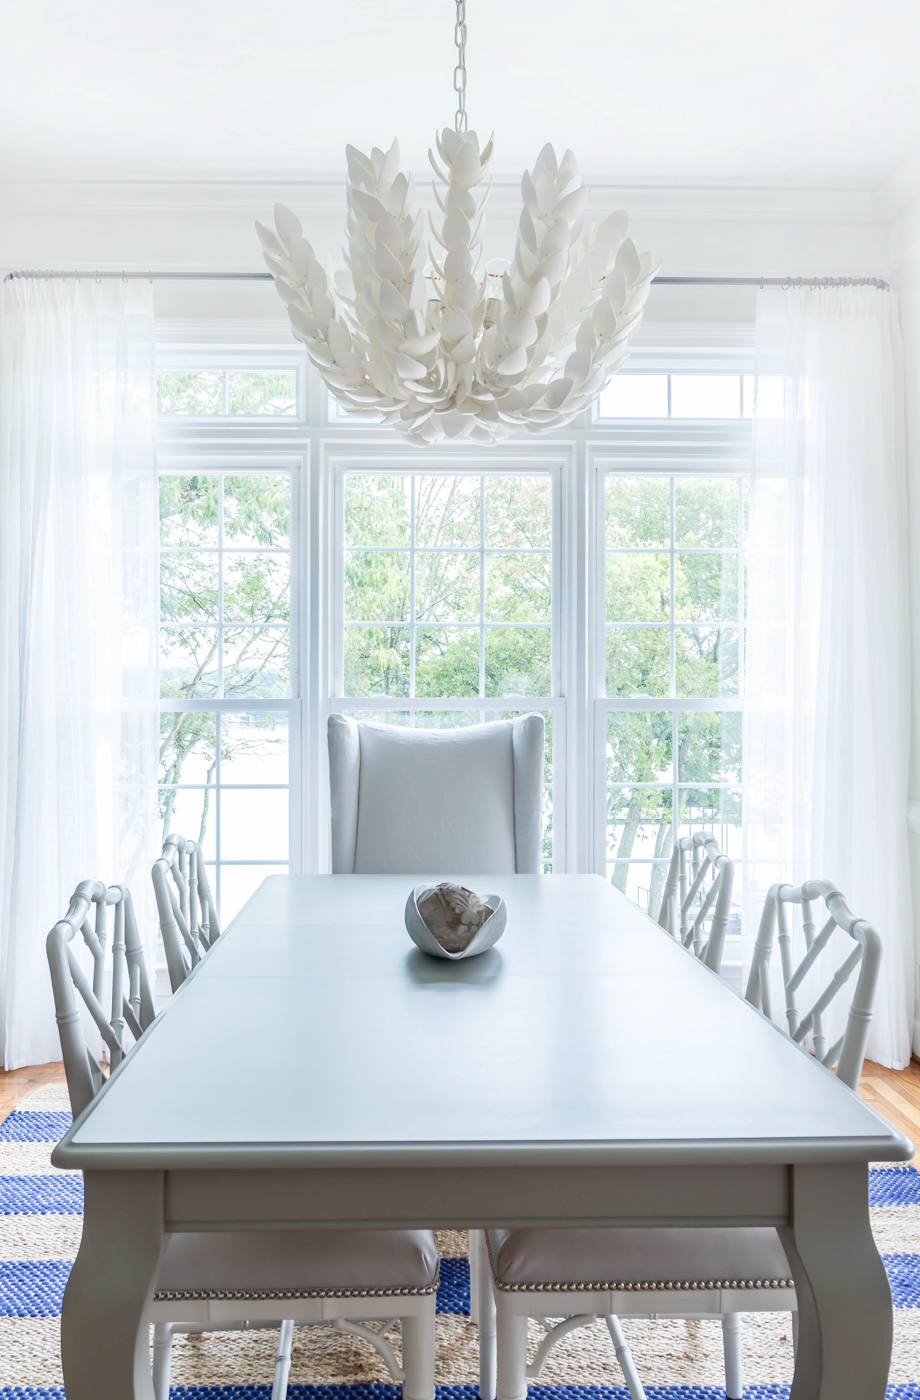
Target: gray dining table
{"points": [[317, 1070]]}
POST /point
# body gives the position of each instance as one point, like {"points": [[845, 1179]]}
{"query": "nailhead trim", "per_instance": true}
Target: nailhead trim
{"points": [[190, 1295], [661, 1287]]}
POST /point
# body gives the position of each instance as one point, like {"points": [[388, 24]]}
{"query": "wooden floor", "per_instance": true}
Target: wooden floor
{"points": [[895, 1094]]}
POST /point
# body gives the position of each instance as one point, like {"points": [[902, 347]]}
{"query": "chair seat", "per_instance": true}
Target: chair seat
{"points": [[585, 1260], [298, 1263]]}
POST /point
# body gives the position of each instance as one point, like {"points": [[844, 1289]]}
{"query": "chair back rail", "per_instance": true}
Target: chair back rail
{"points": [[185, 907], [847, 1053], [130, 1005], [688, 902]]}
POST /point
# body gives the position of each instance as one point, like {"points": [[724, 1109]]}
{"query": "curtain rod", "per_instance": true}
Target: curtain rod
{"points": [[813, 282]]}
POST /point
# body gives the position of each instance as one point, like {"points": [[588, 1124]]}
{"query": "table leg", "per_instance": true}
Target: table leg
{"points": [[105, 1350], [844, 1301]]}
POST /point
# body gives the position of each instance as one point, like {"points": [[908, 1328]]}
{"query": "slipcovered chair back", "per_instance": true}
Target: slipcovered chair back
{"points": [[436, 801]]}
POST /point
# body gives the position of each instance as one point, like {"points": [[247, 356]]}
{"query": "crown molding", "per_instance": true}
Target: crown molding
{"points": [[324, 197]]}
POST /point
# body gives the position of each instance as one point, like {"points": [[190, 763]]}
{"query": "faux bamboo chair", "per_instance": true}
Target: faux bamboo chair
{"points": [[229, 1281], [583, 1274], [188, 918], [697, 893]]}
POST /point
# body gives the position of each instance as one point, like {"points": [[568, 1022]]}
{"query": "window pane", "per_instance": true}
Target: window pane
{"points": [[638, 661], [764, 396], [709, 746], [191, 391], [706, 513], [254, 823], [376, 661], [638, 511], [257, 588], [188, 744], [257, 661], [189, 508], [707, 662], [262, 392], [706, 587], [638, 824], [639, 746], [238, 883], [518, 661], [717, 810], [641, 881], [635, 396], [190, 812], [257, 511], [376, 586], [188, 662], [254, 747], [638, 587], [446, 587], [519, 512], [447, 661], [377, 509], [518, 587], [447, 512], [705, 396], [189, 586]]}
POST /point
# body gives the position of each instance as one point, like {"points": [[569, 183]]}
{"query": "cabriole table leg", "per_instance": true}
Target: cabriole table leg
{"points": [[844, 1301], [105, 1349]]}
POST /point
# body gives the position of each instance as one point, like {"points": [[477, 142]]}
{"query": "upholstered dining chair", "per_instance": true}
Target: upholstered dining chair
{"points": [[582, 1274], [186, 910], [228, 1281], [697, 899], [436, 801]]}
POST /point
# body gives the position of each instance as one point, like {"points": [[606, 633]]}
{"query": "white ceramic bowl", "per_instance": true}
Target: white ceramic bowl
{"points": [[423, 938]]}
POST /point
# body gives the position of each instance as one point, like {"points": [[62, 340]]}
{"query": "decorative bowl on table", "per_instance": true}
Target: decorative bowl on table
{"points": [[449, 921]]}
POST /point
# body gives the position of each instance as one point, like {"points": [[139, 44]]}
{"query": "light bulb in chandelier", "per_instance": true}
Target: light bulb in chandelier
{"points": [[460, 351]]}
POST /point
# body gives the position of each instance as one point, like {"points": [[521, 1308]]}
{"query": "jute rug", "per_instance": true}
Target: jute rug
{"points": [[40, 1233]]}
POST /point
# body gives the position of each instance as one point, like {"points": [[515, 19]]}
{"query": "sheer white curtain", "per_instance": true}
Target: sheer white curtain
{"points": [[78, 600], [828, 660]]}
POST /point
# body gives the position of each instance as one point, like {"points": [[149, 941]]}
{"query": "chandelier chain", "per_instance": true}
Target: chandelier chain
{"points": [[460, 70]]}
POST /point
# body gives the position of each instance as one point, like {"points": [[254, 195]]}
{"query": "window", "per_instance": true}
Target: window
{"points": [[446, 599], [673, 582], [595, 575], [227, 393], [225, 657]]}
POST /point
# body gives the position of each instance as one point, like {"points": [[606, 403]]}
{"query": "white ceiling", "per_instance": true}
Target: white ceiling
{"points": [[803, 92]]}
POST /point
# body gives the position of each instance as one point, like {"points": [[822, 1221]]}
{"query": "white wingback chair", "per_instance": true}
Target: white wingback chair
{"points": [[436, 801]]}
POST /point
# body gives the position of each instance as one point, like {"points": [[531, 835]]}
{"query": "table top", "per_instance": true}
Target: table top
{"points": [[315, 1033]]}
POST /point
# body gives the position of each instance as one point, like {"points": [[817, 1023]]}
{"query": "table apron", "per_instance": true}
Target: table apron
{"points": [[458, 1197]]}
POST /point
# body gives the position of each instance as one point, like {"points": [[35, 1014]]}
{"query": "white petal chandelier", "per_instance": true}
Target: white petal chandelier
{"points": [[418, 334]]}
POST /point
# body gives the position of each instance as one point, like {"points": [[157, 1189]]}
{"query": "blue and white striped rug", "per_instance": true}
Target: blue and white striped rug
{"points": [[40, 1233]]}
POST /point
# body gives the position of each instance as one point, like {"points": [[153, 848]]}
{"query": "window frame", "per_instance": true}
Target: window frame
{"points": [[319, 449]]}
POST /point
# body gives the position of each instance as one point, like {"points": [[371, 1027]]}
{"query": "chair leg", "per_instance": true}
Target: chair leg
{"points": [[418, 1355], [624, 1356], [283, 1360], [795, 1334], [731, 1344], [486, 1292], [512, 1352], [476, 1243], [162, 1359]]}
